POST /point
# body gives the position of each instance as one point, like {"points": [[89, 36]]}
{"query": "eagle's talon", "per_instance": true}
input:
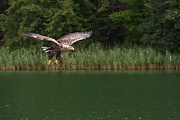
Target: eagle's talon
{"points": [[56, 62], [49, 62]]}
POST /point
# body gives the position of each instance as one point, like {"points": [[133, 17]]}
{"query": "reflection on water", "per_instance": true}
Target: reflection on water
{"points": [[89, 95]]}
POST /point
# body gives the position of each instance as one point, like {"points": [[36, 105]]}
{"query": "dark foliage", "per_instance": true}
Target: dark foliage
{"points": [[123, 22]]}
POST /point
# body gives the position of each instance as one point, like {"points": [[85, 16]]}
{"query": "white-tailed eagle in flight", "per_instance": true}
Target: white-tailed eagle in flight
{"points": [[63, 44]]}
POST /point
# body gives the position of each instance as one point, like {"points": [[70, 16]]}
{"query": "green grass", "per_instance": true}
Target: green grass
{"points": [[90, 58]]}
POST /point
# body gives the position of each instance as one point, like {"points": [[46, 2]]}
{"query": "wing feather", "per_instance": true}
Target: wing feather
{"points": [[41, 37], [74, 37]]}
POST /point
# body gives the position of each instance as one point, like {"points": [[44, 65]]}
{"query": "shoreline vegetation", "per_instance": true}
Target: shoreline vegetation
{"points": [[91, 58]]}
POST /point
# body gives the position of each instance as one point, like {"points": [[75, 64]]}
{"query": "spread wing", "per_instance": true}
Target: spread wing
{"points": [[40, 37], [74, 37]]}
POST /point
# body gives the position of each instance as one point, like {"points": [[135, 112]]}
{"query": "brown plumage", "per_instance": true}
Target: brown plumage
{"points": [[63, 44]]}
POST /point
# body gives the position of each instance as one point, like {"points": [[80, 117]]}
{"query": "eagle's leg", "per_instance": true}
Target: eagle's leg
{"points": [[51, 55], [58, 53], [49, 62]]}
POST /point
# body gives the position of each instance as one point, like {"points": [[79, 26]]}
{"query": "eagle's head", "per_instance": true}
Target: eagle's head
{"points": [[67, 48]]}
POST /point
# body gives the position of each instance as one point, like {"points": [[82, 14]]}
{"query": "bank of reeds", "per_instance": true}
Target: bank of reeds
{"points": [[94, 57]]}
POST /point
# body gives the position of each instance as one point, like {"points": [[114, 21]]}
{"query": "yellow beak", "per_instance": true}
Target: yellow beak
{"points": [[72, 48]]}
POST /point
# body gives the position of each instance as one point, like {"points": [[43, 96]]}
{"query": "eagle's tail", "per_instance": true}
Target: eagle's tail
{"points": [[46, 49]]}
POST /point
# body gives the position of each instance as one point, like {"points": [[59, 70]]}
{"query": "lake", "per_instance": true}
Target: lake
{"points": [[89, 95]]}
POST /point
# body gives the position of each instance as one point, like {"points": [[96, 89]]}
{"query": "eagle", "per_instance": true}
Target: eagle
{"points": [[62, 44]]}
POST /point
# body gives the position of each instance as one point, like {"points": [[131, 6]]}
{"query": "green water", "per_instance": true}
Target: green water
{"points": [[89, 95]]}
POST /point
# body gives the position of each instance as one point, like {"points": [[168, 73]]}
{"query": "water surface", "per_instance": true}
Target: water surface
{"points": [[89, 95]]}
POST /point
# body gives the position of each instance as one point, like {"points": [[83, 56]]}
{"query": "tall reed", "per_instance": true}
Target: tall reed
{"points": [[93, 57]]}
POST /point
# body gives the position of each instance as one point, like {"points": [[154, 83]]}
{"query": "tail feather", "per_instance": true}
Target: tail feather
{"points": [[46, 49]]}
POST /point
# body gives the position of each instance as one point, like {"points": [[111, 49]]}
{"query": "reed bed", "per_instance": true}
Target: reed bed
{"points": [[94, 57]]}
